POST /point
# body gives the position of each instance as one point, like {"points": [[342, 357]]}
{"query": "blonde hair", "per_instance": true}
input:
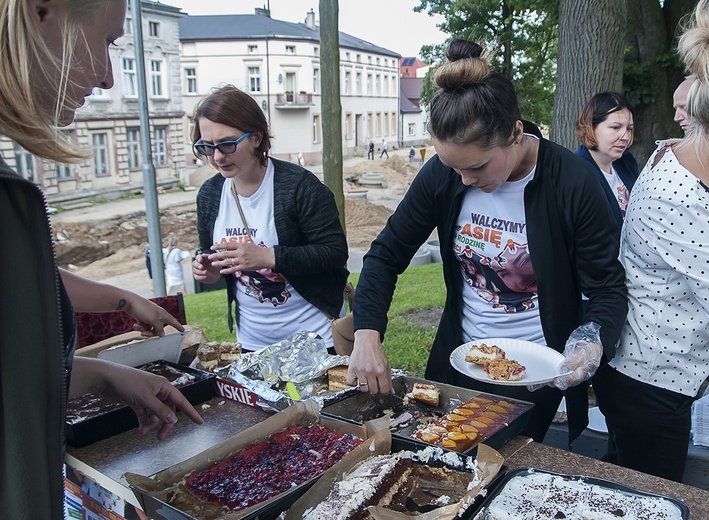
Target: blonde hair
{"points": [[23, 117], [693, 48]]}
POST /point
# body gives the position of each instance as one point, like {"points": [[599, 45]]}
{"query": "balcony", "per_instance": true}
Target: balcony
{"points": [[293, 101]]}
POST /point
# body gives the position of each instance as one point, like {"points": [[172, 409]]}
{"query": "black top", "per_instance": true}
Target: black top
{"points": [[573, 243]]}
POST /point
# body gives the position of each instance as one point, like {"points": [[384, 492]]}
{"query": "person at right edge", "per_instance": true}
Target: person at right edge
{"points": [[524, 228], [646, 391]]}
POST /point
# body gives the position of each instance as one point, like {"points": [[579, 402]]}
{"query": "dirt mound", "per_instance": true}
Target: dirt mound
{"points": [[364, 220], [395, 171], [108, 248], [85, 242]]}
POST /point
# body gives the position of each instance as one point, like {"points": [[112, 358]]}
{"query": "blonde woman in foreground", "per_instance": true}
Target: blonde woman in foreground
{"points": [[54, 52]]}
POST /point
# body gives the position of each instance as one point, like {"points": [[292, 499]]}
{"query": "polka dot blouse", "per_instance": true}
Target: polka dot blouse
{"points": [[665, 252]]}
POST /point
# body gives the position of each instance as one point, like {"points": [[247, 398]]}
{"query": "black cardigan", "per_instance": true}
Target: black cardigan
{"points": [[627, 169], [312, 249], [37, 327], [573, 242]]}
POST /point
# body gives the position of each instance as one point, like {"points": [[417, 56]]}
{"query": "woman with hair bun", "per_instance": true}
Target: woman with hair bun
{"points": [[662, 358], [524, 230], [605, 128]]}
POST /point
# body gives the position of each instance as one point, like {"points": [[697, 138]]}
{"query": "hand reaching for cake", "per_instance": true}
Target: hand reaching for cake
{"points": [[152, 397], [369, 366]]}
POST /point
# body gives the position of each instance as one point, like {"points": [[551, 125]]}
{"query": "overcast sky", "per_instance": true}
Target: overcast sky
{"points": [[391, 24]]}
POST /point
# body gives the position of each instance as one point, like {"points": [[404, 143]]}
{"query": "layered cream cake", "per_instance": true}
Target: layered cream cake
{"points": [[395, 481], [541, 496], [213, 355]]}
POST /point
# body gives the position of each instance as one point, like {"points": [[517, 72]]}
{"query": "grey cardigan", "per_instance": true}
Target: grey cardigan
{"points": [[312, 249]]}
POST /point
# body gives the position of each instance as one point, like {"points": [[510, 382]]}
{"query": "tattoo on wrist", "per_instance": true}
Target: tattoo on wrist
{"points": [[121, 304]]}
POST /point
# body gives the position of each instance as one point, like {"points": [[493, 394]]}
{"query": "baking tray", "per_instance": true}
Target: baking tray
{"points": [[477, 512], [358, 408], [116, 417]]}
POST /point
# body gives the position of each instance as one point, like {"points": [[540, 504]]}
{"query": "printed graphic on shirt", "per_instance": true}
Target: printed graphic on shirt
{"points": [[264, 285], [495, 265], [622, 195], [620, 192]]}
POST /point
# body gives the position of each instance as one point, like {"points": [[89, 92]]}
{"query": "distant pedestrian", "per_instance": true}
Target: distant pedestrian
{"points": [[385, 149], [173, 256], [370, 153], [146, 250], [412, 154]]}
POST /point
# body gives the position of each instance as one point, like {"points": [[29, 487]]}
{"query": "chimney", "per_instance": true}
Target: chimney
{"points": [[310, 19], [262, 11]]}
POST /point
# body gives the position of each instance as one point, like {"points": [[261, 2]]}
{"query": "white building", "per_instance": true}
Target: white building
{"points": [[414, 120], [108, 124], [278, 63]]}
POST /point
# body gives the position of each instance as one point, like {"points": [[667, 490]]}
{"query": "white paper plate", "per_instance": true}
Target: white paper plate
{"points": [[542, 363], [596, 420]]}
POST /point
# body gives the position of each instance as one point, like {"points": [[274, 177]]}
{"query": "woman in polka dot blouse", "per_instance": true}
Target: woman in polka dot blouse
{"points": [[647, 390]]}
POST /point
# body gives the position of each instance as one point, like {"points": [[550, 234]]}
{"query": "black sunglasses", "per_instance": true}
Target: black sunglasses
{"points": [[225, 147]]}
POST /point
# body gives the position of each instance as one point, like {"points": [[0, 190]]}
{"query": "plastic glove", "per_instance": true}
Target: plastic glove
{"points": [[583, 352]]}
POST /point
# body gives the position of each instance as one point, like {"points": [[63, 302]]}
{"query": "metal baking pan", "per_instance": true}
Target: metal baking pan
{"points": [[112, 417], [478, 512], [362, 407]]}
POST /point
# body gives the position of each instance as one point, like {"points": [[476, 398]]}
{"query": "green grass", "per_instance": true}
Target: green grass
{"points": [[407, 345]]}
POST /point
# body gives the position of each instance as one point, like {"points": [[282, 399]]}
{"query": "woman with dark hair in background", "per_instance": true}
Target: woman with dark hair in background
{"points": [[605, 129], [269, 226], [646, 391], [523, 211]]}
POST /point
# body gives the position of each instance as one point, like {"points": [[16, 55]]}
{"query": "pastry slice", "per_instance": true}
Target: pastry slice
{"points": [[505, 370], [481, 354], [425, 393]]}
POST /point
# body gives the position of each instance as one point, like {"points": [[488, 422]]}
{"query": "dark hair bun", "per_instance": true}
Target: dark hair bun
{"points": [[461, 49]]}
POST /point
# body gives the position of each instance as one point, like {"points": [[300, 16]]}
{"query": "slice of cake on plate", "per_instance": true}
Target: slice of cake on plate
{"points": [[481, 354]]}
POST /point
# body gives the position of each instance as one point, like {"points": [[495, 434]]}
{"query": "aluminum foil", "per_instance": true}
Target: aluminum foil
{"points": [[301, 360]]}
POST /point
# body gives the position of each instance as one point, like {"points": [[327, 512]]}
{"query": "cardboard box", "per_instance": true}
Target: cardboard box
{"points": [[236, 392], [148, 349], [154, 493], [489, 463]]}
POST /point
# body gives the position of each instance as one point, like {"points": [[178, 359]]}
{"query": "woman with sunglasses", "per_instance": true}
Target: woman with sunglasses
{"points": [[605, 129], [269, 226], [54, 55]]}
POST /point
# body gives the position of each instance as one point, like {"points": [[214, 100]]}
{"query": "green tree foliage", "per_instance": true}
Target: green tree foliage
{"points": [[525, 34]]}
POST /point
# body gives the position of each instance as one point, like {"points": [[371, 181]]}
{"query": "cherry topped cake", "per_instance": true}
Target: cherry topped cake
{"points": [[263, 470]]}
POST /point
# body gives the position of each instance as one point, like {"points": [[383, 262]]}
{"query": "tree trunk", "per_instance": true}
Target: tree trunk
{"points": [[590, 59], [652, 31], [331, 108]]}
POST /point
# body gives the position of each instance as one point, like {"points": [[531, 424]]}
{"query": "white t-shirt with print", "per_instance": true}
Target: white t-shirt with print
{"points": [[270, 309], [499, 287], [620, 192]]}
